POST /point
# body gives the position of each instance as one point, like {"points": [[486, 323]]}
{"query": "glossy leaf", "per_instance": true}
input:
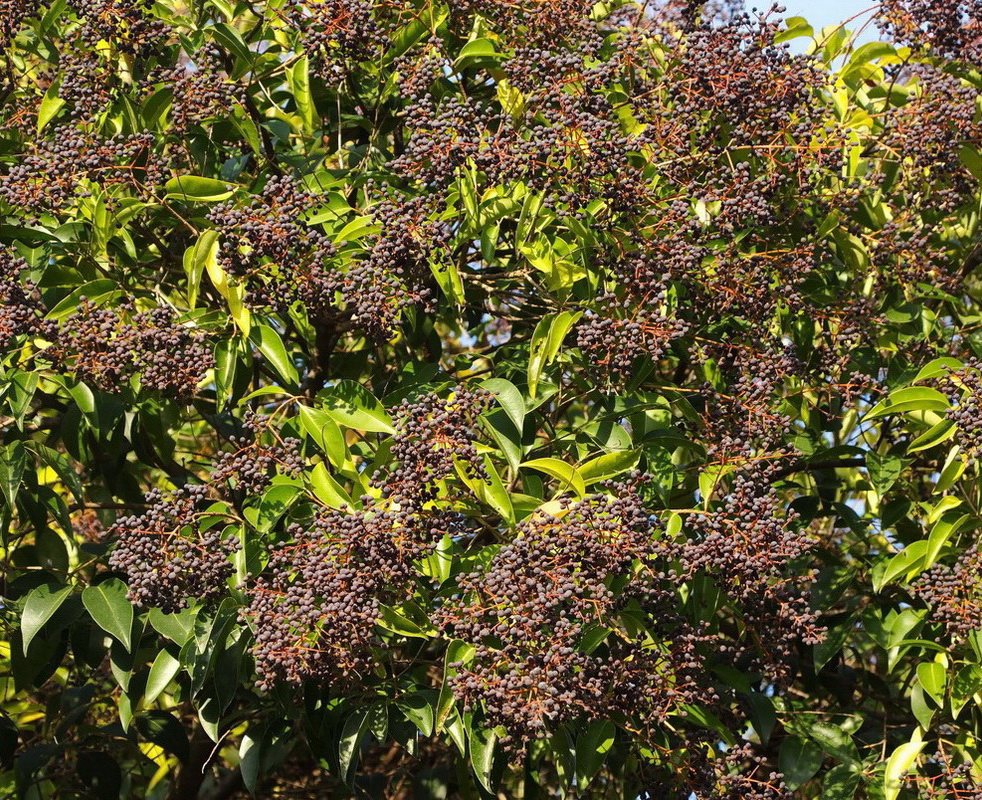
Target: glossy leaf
{"points": [[39, 608], [111, 610]]}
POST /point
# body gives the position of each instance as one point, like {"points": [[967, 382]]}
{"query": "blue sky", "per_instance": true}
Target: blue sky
{"points": [[823, 12]]}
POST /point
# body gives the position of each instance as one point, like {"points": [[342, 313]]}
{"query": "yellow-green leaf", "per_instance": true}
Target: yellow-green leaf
{"points": [[609, 465], [325, 432], [914, 398], [898, 765], [568, 476]]}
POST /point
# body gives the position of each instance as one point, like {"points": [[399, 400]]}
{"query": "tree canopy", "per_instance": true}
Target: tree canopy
{"points": [[489, 398]]}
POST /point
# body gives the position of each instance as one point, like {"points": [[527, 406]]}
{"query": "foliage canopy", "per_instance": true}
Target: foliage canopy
{"points": [[545, 398]]}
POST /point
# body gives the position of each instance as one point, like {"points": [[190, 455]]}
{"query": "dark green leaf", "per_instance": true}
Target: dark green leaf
{"points": [[40, 606], [111, 610]]}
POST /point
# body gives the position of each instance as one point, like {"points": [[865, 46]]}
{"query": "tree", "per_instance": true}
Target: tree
{"points": [[524, 399]]}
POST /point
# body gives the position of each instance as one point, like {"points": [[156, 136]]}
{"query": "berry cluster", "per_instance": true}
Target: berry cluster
{"points": [[543, 594], [614, 344], [21, 311], [173, 552], [129, 25], [953, 593], [202, 89], [314, 611], [98, 345], [338, 34], [13, 14], [949, 30], [753, 552], [58, 170], [435, 433], [169, 358], [554, 23], [268, 243], [744, 419], [106, 348], [749, 254], [88, 83], [395, 273], [739, 773], [250, 466], [945, 780], [87, 526], [938, 120], [964, 389]]}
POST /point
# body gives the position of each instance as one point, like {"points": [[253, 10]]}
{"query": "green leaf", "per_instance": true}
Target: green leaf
{"points": [[232, 41], [439, 563], [192, 188], [354, 730], [298, 77], [798, 760], [196, 259], [322, 428], [898, 765], [92, 291], [872, 51], [13, 465], [592, 746], [262, 748], [563, 751], [954, 467], [708, 479], [506, 436], [509, 398], [796, 28], [921, 708], [479, 48], [608, 466], [164, 730], [355, 407], [419, 709], [840, 783], [836, 636], [414, 31], [250, 750], [835, 741], [111, 610], [51, 104], [914, 398], [932, 677], [271, 345], [63, 467], [457, 652], [40, 606], [908, 560], [163, 670], [567, 475], [392, 620], [967, 683], [274, 504], [547, 339], [328, 490], [883, 470], [939, 368], [448, 279], [177, 627], [356, 229], [934, 436], [482, 744], [941, 534], [491, 492], [234, 294]]}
